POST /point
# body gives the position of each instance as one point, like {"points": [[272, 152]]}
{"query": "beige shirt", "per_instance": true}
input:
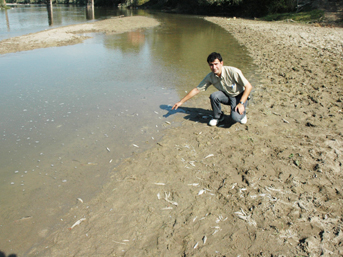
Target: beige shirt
{"points": [[232, 81]]}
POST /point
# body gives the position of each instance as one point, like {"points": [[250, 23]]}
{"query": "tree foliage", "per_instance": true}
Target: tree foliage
{"points": [[248, 8], [242, 8], [2, 3]]}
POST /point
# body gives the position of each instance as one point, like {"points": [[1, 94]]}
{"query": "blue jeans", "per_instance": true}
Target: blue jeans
{"points": [[219, 97]]}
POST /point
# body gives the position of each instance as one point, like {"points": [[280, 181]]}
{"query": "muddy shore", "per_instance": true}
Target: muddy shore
{"points": [[272, 187]]}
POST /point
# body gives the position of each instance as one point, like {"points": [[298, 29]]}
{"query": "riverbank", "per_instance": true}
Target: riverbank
{"points": [[271, 187], [71, 35]]}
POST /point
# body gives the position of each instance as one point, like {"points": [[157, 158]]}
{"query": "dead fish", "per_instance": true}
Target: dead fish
{"points": [[77, 223], [24, 218], [167, 199], [108, 149], [118, 242], [160, 184], [201, 192], [92, 163], [192, 163]]}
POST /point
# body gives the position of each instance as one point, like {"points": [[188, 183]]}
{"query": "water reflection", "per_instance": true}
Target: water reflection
{"points": [[127, 42], [136, 38], [7, 20], [50, 14], [90, 11], [25, 19]]}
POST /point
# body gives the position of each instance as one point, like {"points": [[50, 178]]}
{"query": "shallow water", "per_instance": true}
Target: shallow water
{"points": [[69, 115]]}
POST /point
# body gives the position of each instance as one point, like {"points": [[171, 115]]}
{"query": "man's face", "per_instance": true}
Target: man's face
{"points": [[216, 67]]}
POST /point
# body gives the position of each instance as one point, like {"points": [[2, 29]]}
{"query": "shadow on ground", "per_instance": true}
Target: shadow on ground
{"points": [[199, 115]]}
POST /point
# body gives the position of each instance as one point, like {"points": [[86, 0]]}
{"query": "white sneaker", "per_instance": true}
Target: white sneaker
{"points": [[244, 120], [214, 122]]}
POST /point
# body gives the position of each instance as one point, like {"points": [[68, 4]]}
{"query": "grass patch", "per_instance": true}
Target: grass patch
{"points": [[310, 16]]}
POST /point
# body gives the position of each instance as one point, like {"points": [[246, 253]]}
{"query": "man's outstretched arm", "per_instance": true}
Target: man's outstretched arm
{"points": [[192, 93]]}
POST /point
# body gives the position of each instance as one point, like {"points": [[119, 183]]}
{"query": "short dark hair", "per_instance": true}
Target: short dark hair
{"points": [[213, 56]]}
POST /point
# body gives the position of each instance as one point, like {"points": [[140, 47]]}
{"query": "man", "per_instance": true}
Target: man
{"points": [[234, 90]]}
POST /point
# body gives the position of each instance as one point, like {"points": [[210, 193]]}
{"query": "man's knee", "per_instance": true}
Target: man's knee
{"points": [[215, 96], [236, 117]]}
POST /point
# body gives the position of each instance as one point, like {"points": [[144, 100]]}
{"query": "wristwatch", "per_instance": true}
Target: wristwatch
{"points": [[241, 102]]}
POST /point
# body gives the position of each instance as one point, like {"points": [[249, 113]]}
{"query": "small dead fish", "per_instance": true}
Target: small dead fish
{"points": [[80, 200], [108, 149], [201, 192], [160, 184], [77, 223], [167, 199], [135, 145], [210, 155], [92, 163], [118, 242], [196, 245], [194, 184], [204, 239], [24, 218]]}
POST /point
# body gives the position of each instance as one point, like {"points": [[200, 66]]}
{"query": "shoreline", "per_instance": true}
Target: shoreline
{"points": [[272, 186], [71, 34]]}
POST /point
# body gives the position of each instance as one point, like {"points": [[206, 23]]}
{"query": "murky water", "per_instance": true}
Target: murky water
{"points": [[69, 115]]}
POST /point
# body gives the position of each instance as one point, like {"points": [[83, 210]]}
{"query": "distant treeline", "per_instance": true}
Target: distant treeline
{"points": [[247, 8], [241, 8], [76, 2]]}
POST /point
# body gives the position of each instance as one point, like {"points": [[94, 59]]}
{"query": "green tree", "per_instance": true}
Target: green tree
{"points": [[2, 3]]}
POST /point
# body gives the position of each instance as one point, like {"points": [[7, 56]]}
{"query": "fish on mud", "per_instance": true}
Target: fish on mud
{"points": [[23, 218]]}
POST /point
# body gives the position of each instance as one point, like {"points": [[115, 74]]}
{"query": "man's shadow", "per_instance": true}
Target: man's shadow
{"points": [[2, 254], [197, 115]]}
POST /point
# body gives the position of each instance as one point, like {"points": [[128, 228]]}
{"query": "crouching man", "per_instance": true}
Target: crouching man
{"points": [[234, 90]]}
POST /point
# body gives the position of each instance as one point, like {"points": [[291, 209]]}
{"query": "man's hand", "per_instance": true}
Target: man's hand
{"points": [[192, 93], [240, 108], [177, 105]]}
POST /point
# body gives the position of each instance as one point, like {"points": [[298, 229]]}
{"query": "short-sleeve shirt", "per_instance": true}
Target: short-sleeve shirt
{"points": [[232, 81]]}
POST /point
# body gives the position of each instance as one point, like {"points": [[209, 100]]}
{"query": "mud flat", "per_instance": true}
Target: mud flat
{"points": [[271, 187]]}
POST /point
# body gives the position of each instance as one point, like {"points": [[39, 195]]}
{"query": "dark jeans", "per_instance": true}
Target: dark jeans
{"points": [[219, 97]]}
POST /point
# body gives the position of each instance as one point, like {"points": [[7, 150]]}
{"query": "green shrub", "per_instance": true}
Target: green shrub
{"points": [[310, 16]]}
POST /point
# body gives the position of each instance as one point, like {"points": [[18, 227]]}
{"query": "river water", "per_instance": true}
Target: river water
{"points": [[69, 115]]}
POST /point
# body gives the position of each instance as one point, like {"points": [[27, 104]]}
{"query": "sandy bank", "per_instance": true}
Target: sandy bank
{"points": [[70, 35]]}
